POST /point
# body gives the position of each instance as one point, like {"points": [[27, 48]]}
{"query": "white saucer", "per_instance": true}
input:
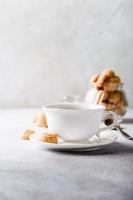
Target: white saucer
{"points": [[106, 138]]}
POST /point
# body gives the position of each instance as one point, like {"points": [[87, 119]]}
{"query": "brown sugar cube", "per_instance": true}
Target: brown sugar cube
{"points": [[50, 138], [26, 134], [108, 72]]}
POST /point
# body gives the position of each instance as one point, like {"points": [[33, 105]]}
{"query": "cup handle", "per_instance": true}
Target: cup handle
{"points": [[106, 115]]}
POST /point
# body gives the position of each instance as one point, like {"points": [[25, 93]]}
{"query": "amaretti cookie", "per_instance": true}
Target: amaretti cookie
{"points": [[40, 120], [108, 92], [26, 134], [50, 138], [107, 81]]}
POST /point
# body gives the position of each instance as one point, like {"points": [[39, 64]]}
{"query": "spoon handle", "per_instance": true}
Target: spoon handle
{"points": [[126, 135]]}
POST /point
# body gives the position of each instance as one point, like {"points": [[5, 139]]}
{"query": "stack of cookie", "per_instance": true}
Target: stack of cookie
{"points": [[107, 86]]}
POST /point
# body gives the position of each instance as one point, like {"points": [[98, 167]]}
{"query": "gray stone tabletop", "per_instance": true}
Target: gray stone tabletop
{"points": [[27, 173]]}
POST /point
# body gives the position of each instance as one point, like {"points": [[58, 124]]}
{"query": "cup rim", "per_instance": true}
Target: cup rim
{"points": [[55, 107]]}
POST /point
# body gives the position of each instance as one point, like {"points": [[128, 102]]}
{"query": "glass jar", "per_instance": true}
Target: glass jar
{"points": [[112, 101]]}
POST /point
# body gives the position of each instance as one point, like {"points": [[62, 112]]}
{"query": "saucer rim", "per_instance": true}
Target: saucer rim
{"points": [[73, 146]]}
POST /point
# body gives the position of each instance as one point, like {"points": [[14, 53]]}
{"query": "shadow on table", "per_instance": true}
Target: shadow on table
{"points": [[116, 149], [127, 121]]}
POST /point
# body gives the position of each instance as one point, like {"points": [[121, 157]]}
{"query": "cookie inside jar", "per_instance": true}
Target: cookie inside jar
{"points": [[107, 90]]}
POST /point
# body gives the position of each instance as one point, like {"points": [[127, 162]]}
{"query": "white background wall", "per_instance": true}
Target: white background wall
{"points": [[49, 48]]}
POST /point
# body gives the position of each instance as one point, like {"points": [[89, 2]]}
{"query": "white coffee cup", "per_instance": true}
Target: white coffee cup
{"points": [[76, 121]]}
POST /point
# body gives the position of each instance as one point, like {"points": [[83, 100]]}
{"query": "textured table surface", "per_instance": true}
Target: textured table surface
{"points": [[27, 173]]}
